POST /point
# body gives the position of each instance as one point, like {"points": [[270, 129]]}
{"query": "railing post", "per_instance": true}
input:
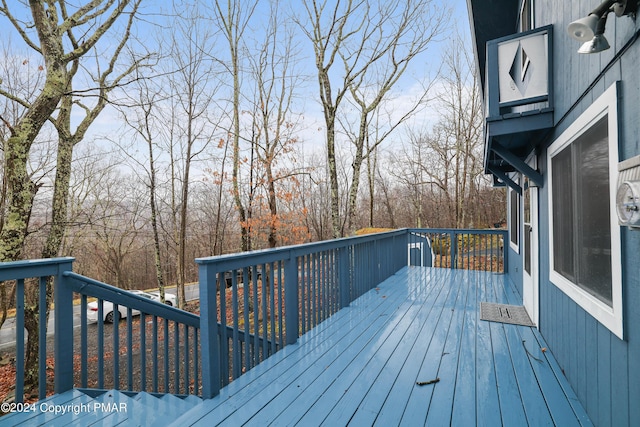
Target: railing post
{"points": [[291, 298], [454, 249], [63, 329], [343, 271], [210, 344]]}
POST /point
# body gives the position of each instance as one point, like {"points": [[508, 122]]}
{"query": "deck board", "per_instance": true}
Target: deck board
{"points": [[361, 366], [389, 377]]}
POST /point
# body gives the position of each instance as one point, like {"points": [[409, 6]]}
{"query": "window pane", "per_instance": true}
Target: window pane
{"points": [[515, 225], [593, 225], [563, 222]]}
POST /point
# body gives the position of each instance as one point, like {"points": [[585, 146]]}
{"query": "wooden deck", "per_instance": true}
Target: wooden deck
{"points": [[365, 365]]}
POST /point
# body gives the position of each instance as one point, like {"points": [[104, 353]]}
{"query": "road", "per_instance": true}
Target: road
{"points": [[8, 331]]}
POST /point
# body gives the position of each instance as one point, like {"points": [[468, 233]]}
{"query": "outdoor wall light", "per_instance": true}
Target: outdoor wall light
{"points": [[590, 29]]}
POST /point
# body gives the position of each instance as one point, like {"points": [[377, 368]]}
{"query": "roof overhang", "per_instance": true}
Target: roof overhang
{"points": [[490, 20], [516, 75]]}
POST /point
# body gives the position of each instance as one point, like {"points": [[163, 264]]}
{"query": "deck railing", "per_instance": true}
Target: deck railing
{"points": [[157, 353], [159, 350], [460, 248], [251, 305], [35, 273], [255, 303]]}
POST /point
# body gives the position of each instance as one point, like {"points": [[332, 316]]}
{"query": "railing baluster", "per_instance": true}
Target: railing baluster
{"points": [[83, 342], [265, 316], [100, 344], [280, 304], [256, 316], [196, 364], [42, 338], [143, 351], [154, 351], [129, 349], [313, 315], [303, 294], [221, 283], [19, 390], [176, 355], [237, 355], [246, 290], [272, 301], [324, 285], [116, 347], [186, 359], [166, 355]]}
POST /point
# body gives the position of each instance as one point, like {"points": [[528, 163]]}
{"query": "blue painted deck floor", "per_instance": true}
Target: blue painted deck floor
{"points": [[367, 364]]}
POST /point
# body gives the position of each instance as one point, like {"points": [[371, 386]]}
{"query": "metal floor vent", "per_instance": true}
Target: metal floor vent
{"points": [[504, 313]]}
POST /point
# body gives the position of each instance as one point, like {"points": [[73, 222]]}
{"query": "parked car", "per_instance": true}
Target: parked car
{"points": [[169, 299], [108, 312]]}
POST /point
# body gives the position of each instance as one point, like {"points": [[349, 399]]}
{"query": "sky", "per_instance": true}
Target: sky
{"points": [[309, 105]]}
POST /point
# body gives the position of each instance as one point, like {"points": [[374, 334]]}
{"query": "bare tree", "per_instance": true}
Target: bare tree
{"points": [[69, 138], [59, 28], [232, 17], [23, 79], [275, 80], [375, 42], [53, 24], [461, 125], [189, 130], [142, 120], [442, 167], [118, 226]]}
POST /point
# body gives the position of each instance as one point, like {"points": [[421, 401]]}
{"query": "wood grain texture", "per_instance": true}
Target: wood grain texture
{"points": [[362, 365]]}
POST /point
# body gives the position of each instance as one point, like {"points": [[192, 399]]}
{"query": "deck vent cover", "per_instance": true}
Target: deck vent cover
{"points": [[504, 313]]}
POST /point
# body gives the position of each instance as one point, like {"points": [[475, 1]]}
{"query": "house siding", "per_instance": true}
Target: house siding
{"points": [[603, 369]]}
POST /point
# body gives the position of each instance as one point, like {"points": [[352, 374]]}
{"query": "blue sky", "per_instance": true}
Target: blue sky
{"points": [[310, 107]]}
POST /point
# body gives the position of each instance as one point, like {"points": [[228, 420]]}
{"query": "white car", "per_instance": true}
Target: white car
{"points": [[107, 306], [169, 299]]}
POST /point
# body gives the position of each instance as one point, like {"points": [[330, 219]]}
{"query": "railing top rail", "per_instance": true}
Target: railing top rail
{"points": [[14, 270], [239, 260], [459, 230], [94, 288]]}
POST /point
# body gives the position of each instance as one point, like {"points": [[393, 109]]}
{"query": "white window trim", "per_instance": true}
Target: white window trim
{"points": [[610, 317], [515, 228]]}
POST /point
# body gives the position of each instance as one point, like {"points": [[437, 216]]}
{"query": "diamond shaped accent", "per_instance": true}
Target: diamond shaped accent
{"points": [[521, 70]]}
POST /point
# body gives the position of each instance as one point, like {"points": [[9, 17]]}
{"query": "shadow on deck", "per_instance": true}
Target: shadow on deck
{"points": [[413, 351]]}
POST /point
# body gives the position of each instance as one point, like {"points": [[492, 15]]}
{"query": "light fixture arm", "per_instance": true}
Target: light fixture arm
{"points": [[619, 7], [604, 8], [602, 23]]}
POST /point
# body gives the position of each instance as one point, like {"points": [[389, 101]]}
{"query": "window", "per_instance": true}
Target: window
{"points": [[514, 219], [584, 233]]}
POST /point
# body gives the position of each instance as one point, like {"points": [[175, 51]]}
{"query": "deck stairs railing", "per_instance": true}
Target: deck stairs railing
{"points": [[251, 305]]}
